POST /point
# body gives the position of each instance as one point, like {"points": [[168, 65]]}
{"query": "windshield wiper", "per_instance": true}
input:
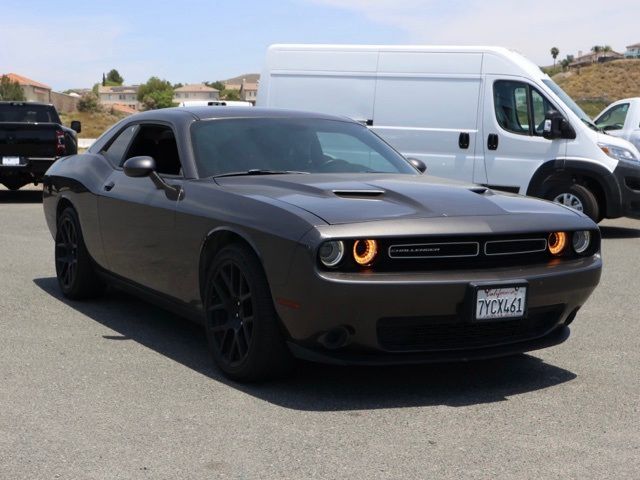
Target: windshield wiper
{"points": [[592, 125], [257, 171]]}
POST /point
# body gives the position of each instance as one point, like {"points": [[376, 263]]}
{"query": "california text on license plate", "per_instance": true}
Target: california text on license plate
{"points": [[501, 302]]}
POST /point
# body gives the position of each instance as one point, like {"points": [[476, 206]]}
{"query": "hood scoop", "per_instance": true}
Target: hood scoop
{"points": [[481, 190], [356, 193]]}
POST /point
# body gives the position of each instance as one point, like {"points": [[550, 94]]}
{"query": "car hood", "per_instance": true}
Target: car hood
{"points": [[350, 198]]}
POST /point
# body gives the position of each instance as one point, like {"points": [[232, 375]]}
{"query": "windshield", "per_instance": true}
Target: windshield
{"points": [[28, 113], [568, 101], [291, 145]]}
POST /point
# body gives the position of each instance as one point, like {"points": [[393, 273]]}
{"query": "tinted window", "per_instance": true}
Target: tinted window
{"points": [[158, 142], [614, 118], [28, 113], [115, 152], [305, 145]]}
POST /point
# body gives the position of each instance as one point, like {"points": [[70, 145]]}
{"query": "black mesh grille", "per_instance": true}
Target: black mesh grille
{"points": [[449, 333]]}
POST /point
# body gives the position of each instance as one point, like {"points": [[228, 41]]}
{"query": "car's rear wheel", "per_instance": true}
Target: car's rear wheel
{"points": [[577, 197], [243, 329], [74, 267]]}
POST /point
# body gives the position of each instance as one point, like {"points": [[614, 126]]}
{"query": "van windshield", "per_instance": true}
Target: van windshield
{"points": [[568, 101]]}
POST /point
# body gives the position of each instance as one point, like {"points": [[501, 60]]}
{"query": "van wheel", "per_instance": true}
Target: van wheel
{"points": [[577, 197]]}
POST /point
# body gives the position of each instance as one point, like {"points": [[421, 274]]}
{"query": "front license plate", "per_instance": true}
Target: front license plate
{"points": [[10, 161], [501, 302]]}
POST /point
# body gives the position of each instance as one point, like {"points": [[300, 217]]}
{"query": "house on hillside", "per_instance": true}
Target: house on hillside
{"points": [[249, 91], [633, 51], [593, 57], [197, 91], [119, 95], [33, 91]]}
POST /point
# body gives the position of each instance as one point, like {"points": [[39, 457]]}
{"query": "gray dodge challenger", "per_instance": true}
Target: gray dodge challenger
{"points": [[291, 234]]}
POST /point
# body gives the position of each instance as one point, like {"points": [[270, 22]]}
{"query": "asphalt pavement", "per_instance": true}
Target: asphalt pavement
{"points": [[120, 389]]}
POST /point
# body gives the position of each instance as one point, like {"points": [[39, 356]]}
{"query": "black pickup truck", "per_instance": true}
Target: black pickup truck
{"points": [[32, 137]]}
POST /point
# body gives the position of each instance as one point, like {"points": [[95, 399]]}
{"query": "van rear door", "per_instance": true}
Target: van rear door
{"points": [[514, 147], [426, 106]]}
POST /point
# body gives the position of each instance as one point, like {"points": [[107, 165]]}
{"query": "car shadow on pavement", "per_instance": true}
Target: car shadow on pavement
{"points": [[21, 196], [314, 387], [619, 232]]}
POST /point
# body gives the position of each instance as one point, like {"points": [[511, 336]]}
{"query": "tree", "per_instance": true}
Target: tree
{"points": [[89, 102], [156, 93], [554, 53], [607, 48], [114, 77], [10, 90], [104, 80], [218, 85]]}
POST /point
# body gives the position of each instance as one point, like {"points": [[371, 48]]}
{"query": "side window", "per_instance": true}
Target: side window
{"points": [[519, 107], [540, 107], [116, 150], [158, 142], [338, 146], [614, 118], [510, 101]]}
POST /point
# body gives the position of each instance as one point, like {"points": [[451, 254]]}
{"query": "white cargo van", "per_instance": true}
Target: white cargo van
{"points": [[481, 114]]}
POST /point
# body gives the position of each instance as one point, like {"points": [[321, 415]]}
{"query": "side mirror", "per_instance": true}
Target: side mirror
{"points": [[556, 126], [418, 164], [139, 166], [76, 126]]}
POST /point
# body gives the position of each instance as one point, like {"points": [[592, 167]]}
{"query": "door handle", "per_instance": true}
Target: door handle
{"points": [[492, 141], [108, 186], [463, 140]]}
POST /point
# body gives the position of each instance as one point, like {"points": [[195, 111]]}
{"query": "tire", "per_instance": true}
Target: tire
{"points": [[243, 329], [578, 197], [13, 186], [75, 271]]}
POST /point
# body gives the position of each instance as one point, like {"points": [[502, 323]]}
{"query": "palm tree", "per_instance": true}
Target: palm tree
{"points": [[554, 53]]}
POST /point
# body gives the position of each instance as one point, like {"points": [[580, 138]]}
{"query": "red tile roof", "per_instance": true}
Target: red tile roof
{"points": [[25, 81]]}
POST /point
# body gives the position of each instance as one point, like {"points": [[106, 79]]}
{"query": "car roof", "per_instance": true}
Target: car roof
{"points": [[214, 112], [20, 102]]}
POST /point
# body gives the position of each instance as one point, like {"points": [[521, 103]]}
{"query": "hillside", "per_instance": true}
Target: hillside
{"points": [[249, 77], [93, 124], [596, 86]]}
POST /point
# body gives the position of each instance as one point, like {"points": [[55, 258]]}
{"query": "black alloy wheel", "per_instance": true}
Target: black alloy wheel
{"points": [[67, 252], [74, 267], [231, 313], [243, 329]]}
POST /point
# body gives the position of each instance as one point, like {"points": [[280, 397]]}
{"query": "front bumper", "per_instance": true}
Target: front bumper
{"points": [[628, 178], [436, 304]]}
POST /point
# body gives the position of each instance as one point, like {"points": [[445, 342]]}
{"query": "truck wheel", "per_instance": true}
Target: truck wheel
{"points": [[578, 197], [74, 267], [13, 186], [242, 326]]}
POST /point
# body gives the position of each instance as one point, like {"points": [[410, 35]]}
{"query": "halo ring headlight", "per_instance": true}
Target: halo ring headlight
{"points": [[365, 251], [557, 241], [581, 241], [331, 253]]}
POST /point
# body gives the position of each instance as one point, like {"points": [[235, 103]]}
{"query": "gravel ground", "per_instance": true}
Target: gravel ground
{"points": [[117, 388]]}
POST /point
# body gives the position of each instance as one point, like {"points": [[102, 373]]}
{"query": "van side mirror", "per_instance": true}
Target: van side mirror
{"points": [[76, 126], [139, 166], [556, 126], [417, 164]]}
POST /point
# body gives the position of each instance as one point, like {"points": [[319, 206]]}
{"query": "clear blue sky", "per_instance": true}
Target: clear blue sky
{"points": [[70, 43]]}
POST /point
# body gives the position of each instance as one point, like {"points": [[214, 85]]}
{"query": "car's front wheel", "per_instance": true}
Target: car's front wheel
{"points": [[74, 267], [243, 330]]}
